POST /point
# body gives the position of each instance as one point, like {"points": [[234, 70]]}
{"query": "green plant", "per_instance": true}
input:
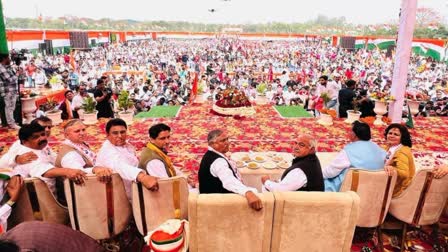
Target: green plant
{"points": [[261, 88], [89, 105], [355, 103], [124, 103], [326, 98], [51, 105]]}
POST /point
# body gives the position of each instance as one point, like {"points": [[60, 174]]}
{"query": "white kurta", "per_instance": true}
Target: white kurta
{"points": [[37, 168], [122, 160]]}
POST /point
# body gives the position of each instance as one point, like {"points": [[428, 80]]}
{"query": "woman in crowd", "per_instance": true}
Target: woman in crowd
{"points": [[399, 156]]}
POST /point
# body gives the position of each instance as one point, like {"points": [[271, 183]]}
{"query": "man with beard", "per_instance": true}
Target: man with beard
{"points": [[11, 158]]}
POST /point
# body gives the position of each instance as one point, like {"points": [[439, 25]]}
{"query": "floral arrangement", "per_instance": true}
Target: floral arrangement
{"points": [[261, 88], [382, 96], [233, 98], [370, 119], [416, 96]]}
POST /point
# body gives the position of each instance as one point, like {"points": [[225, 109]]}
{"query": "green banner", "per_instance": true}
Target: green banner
{"points": [[3, 41]]}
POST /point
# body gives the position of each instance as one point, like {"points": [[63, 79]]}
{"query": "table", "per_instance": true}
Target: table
{"points": [[252, 177]]}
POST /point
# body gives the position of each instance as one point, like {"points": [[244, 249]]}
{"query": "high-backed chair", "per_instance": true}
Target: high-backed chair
{"points": [[151, 209], [421, 203], [375, 189], [36, 202], [225, 222], [98, 209], [314, 221]]}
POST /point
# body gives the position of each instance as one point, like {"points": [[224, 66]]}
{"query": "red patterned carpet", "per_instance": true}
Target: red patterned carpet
{"points": [[263, 132]]}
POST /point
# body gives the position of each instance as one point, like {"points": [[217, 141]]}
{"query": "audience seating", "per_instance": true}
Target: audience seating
{"points": [[153, 208], [422, 203], [314, 221], [375, 189], [98, 209], [225, 222], [36, 202]]}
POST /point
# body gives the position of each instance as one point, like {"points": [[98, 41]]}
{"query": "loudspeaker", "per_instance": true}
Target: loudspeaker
{"points": [[348, 43], [79, 40], [48, 46], [42, 48]]}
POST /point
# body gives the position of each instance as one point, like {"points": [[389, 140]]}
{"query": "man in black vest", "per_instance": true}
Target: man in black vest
{"points": [[216, 174], [305, 173]]}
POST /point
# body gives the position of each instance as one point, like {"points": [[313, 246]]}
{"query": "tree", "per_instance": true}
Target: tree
{"points": [[427, 16]]}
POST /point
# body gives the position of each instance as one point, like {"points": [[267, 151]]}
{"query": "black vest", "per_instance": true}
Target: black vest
{"points": [[207, 182], [310, 165]]}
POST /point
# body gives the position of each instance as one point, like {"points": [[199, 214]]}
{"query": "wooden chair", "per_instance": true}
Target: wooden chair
{"points": [[151, 209], [98, 209], [225, 222], [422, 203], [375, 189], [314, 221], [36, 202]]}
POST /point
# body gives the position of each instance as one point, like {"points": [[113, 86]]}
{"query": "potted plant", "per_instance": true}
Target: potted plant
{"points": [[326, 115], [52, 111], [89, 111], [353, 115], [125, 105]]}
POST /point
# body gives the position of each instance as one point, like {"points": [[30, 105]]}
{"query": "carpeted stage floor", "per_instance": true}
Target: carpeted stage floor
{"points": [[263, 132]]}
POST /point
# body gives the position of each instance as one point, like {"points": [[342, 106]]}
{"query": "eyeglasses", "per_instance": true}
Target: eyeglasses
{"points": [[300, 144], [222, 140]]}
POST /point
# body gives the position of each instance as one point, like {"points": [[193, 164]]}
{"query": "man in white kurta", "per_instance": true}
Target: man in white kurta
{"points": [[117, 154]]}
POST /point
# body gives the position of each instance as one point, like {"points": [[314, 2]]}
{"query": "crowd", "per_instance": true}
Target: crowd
{"points": [[167, 72], [163, 72]]}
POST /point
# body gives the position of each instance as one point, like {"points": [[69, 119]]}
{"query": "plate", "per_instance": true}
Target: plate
{"points": [[270, 165], [259, 159], [283, 165], [240, 164], [245, 158], [277, 159], [253, 165]]}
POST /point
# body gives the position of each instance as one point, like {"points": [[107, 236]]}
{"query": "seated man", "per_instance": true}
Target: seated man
{"points": [[33, 138], [216, 174], [76, 154], [117, 154], [154, 158], [11, 159], [360, 153], [305, 173]]}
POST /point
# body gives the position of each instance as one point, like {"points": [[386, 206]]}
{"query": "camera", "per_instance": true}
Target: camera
{"points": [[18, 57]]}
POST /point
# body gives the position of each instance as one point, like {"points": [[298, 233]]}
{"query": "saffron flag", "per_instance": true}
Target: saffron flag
{"points": [[194, 89], [410, 122], [72, 60]]}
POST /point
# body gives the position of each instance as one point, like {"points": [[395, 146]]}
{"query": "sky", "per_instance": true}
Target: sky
{"points": [[226, 11]]}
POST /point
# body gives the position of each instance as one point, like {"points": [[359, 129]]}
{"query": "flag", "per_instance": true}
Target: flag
{"points": [[410, 122]]}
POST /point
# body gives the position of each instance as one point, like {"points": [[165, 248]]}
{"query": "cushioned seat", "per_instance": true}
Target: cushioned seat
{"points": [[42, 205], [97, 209], [169, 202], [314, 221], [225, 222], [375, 189], [422, 202]]}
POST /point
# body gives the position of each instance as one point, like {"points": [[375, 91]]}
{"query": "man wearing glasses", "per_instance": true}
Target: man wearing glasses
{"points": [[216, 174], [305, 173], [11, 159]]}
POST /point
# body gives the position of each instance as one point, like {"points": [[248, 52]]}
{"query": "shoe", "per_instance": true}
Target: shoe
{"points": [[14, 126]]}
